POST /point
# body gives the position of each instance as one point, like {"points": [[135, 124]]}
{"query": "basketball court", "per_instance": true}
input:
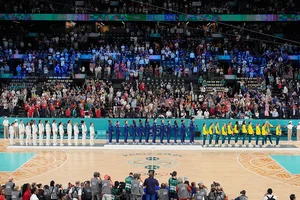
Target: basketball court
{"points": [[236, 169]]}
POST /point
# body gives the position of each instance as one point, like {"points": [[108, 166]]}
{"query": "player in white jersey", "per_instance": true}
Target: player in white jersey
{"points": [[28, 134], [16, 127], [41, 132], [54, 132], [34, 129], [11, 131], [21, 132], [76, 132], [48, 132], [61, 133], [69, 132], [92, 133], [84, 132]]}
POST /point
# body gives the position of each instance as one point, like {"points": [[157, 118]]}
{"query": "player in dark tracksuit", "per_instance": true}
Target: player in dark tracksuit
{"points": [[141, 132], [147, 130], [134, 130], [126, 132], [183, 131], [192, 131], [162, 129], [118, 132], [110, 131], [176, 128], [169, 129], [154, 131]]}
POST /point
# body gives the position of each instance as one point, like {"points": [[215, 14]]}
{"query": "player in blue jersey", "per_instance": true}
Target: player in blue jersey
{"points": [[154, 131], [162, 129], [176, 129], [126, 132], [183, 132], [134, 130], [141, 132], [192, 131], [169, 129], [147, 131], [118, 132]]}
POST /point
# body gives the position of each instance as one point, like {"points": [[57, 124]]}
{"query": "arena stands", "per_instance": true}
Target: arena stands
{"points": [[198, 72], [235, 70], [149, 98]]}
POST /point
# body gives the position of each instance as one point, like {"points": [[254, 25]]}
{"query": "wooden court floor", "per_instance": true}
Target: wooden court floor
{"points": [[252, 170]]}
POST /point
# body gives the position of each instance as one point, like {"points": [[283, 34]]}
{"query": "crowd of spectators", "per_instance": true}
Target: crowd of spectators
{"points": [[140, 99], [59, 54], [153, 7], [132, 187], [276, 96]]}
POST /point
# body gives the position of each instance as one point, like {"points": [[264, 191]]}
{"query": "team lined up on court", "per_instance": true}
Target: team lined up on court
{"points": [[213, 134], [236, 132], [163, 130], [33, 133]]}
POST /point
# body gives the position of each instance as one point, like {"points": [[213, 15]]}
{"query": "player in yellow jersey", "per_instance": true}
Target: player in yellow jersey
{"points": [[217, 133], [278, 135], [236, 133], [250, 134], [269, 134], [205, 133], [224, 134], [211, 133], [244, 133], [264, 133], [258, 134], [229, 133]]}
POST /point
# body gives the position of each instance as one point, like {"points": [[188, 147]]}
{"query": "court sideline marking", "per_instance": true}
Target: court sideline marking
{"points": [[237, 158], [279, 164], [35, 154], [22, 180]]}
